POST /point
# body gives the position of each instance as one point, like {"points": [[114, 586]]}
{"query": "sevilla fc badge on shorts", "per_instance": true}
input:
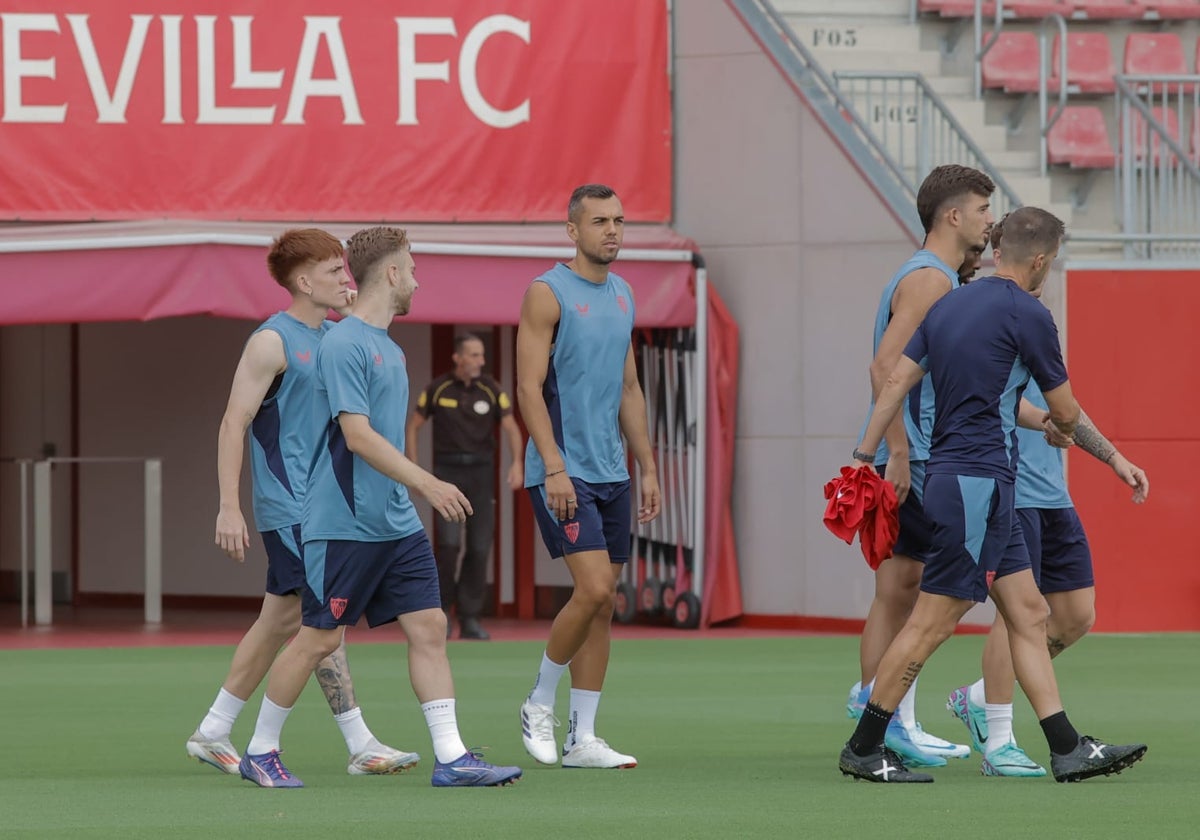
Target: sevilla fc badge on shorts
{"points": [[571, 529], [337, 606]]}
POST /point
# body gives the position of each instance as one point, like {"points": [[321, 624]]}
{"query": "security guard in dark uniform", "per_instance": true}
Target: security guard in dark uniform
{"points": [[466, 406]]}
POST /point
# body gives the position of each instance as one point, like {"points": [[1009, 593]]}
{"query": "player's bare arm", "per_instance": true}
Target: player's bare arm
{"points": [[378, 452], [262, 360], [634, 426], [539, 313], [915, 294], [906, 374], [1064, 410], [516, 449], [1092, 441]]}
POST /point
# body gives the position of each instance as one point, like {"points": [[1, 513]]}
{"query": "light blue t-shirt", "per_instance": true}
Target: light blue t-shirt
{"points": [[918, 405], [585, 377], [1040, 481], [285, 429], [360, 370]]}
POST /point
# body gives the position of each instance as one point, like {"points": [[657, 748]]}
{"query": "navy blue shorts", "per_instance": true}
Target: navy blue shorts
{"points": [[285, 569], [916, 531], [976, 535], [348, 579], [601, 521], [1058, 548]]}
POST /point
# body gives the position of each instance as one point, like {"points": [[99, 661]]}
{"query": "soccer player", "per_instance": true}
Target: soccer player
{"points": [[981, 345], [272, 396], [365, 552], [1062, 567], [579, 391], [954, 207]]}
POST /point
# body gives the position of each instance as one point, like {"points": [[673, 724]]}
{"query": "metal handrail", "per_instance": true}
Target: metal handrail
{"points": [[1045, 122], [960, 134], [818, 88], [980, 49]]}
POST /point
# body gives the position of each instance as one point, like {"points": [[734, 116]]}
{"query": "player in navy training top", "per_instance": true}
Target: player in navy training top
{"points": [[1062, 568], [365, 552], [272, 396], [981, 344], [579, 391]]}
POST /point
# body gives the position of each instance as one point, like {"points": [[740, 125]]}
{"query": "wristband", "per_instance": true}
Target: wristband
{"points": [[858, 455], [556, 472]]}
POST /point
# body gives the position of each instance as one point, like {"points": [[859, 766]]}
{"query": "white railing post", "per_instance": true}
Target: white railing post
{"points": [[24, 466], [42, 595], [153, 483]]}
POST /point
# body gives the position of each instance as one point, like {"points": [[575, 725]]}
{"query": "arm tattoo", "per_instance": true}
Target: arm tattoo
{"points": [[910, 674], [333, 675], [1089, 439]]}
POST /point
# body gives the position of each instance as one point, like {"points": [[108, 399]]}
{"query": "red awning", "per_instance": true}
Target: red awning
{"points": [[138, 271]]}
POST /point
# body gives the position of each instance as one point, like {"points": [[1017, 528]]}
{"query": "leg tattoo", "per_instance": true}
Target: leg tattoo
{"points": [[333, 675], [910, 674], [1056, 646]]}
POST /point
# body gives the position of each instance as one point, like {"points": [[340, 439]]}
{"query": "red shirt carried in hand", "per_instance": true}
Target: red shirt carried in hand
{"points": [[863, 503]]}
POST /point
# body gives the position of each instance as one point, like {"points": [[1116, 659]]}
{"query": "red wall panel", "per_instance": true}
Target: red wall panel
{"points": [[1134, 363]]}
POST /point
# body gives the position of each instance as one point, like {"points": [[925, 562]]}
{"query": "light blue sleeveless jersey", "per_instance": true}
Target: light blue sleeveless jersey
{"points": [[918, 405], [284, 431], [1040, 481], [360, 370], [585, 377]]}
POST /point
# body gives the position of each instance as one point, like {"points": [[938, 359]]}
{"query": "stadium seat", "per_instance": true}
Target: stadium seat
{"points": [[1080, 139], [1174, 9], [1168, 119], [1154, 54], [1090, 66], [1196, 138], [1030, 9], [1110, 9], [1012, 63]]}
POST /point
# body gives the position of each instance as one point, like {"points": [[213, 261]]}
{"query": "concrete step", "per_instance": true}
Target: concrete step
{"points": [[927, 63], [843, 9]]}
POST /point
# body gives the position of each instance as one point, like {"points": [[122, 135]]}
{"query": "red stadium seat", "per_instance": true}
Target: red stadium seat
{"points": [[1168, 119], [1012, 63], [1080, 139], [1174, 9], [1012, 8], [1110, 9], [1154, 54], [1090, 66]]}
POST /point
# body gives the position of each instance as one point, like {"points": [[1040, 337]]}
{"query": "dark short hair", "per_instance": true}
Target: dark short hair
{"points": [[297, 248], [998, 232], [1029, 231], [463, 338], [600, 191], [368, 247], [947, 185]]}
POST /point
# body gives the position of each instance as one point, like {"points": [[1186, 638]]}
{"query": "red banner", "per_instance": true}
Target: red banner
{"points": [[425, 110]]}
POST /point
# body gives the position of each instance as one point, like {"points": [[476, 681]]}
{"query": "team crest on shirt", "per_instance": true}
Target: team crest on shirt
{"points": [[378, 359], [571, 529], [582, 308], [624, 304], [337, 606], [305, 357]]}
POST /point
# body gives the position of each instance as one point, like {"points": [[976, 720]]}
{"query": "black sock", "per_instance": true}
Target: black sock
{"points": [[871, 726], [1060, 734]]}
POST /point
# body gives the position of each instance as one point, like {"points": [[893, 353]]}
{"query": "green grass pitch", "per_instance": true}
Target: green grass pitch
{"points": [[736, 738]]}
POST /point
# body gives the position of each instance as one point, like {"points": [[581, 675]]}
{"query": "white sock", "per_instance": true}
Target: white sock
{"points": [[271, 719], [443, 728], [976, 694], [581, 725], [354, 730], [218, 723], [908, 707], [999, 721], [546, 685]]}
